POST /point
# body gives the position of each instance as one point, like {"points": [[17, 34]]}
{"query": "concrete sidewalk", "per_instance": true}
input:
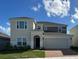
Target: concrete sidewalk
{"points": [[64, 57]]}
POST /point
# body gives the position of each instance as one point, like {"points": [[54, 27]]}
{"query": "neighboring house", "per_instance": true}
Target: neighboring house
{"points": [[74, 32], [47, 35], [4, 40]]}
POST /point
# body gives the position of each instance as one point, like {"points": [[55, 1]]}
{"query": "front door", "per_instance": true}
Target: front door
{"points": [[36, 42]]}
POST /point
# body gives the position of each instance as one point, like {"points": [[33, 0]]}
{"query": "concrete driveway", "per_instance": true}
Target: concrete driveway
{"points": [[59, 53]]}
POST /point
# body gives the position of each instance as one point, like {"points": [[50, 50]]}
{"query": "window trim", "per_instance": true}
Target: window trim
{"points": [[59, 29], [62, 29], [38, 28], [51, 29], [24, 25], [21, 41]]}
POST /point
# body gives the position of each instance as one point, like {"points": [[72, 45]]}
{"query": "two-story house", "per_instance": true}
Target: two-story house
{"points": [[25, 31]]}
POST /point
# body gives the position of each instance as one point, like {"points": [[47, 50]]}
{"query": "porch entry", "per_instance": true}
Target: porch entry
{"points": [[36, 42]]}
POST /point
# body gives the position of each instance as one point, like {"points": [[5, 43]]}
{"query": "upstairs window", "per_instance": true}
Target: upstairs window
{"points": [[55, 29], [62, 29], [51, 29], [59, 29], [45, 28], [25, 25], [21, 25], [38, 27]]}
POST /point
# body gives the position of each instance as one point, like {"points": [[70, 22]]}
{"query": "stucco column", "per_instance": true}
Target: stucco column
{"points": [[41, 43], [32, 43]]}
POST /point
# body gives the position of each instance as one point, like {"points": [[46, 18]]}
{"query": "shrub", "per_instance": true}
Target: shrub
{"points": [[74, 48], [8, 47], [28, 47], [22, 47], [42, 48], [14, 47]]}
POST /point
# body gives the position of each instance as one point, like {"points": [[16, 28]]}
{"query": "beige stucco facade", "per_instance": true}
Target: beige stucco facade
{"points": [[52, 41], [39, 33], [48, 40], [15, 33]]}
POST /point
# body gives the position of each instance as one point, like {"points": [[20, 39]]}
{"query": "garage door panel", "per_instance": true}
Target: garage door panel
{"points": [[52, 43]]}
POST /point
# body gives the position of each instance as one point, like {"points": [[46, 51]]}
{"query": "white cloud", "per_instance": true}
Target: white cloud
{"points": [[73, 21], [39, 5], [5, 30], [48, 14], [2, 28], [8, 23], [36, 8], [57, 7], [75, 15]]}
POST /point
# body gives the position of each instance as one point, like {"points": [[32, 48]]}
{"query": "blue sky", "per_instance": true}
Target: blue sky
{"points": [[59, 11]]}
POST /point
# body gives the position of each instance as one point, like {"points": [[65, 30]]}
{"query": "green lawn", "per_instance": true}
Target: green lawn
{"points": [[21, 54]]}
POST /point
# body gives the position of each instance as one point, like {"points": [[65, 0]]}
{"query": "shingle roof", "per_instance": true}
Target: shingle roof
{"points": [[44, 22], [20, 18], [41, 22], [4, 35]]}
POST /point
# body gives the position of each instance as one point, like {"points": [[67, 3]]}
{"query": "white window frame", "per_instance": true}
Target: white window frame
{"points": [[21, 40], [60, 28], [18, 24]]}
